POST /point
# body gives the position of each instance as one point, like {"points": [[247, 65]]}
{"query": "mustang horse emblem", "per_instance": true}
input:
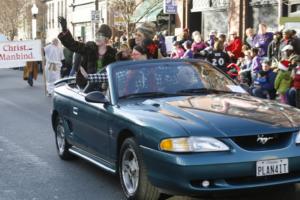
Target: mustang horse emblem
{"points": [[263, 140]]}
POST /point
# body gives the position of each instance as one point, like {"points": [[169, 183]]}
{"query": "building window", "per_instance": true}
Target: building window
{"points": [[263, 2], [62, 9], [205, 5], [52, 20], [66, 13], [295, 8], [58, 12], [219, 3], [49, 16]]}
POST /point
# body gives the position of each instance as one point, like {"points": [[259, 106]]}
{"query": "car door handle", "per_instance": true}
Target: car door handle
{"points": [[75, 110]]}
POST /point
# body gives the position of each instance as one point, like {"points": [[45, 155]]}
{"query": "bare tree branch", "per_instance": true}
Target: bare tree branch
{"points": [[10, 16], [127, 9]]}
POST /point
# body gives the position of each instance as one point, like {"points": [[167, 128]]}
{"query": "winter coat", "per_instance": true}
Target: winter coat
{"points": [[235, 47], [269, 84], [296, 45], [262, 42], [283, 43], [31, 67], [273, 50], [89, 53], [198, 46], [177, 53], [256, 64], [249, 41], [188, 54], [297, 78], [283, 81], [76, 61]]}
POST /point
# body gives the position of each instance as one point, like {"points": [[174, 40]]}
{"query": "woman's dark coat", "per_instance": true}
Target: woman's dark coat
{"points": [[89, 53]]}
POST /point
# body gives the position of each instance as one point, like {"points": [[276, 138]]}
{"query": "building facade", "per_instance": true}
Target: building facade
{"points": [[79, 17], [225, 16], [55, 8]]}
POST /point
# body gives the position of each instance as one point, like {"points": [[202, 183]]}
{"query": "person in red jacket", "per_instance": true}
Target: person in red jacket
{"points": [[293, 94], [234, 48], [296, 79]]}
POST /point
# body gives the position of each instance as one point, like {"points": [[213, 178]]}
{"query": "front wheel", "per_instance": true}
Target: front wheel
{"points": [[62, 145], [133, 173]]}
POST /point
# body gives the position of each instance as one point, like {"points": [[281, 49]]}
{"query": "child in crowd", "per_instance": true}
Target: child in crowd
{"points": [[245, 65], [283, 80], [198, 44], [266, 81], [261, 79], [256, 63], [188, 51], [178, 51]]}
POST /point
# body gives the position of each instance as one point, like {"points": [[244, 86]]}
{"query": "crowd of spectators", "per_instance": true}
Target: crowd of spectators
{"points": [[266, 64]]}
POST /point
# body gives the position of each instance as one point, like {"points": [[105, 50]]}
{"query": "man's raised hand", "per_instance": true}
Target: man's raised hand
{"points": [[63, 23]]}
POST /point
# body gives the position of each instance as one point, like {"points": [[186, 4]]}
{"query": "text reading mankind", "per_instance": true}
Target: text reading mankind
{"points": [[16, 56]]}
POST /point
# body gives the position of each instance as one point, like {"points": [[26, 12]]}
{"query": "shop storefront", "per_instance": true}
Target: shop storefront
{"points": [[292, 19], [265, 12], [214, 16]]}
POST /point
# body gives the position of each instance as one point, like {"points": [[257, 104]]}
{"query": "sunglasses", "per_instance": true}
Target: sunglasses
{"points": [[100, 38]]}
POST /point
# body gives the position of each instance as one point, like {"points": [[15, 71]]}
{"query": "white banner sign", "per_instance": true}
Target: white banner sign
{"points": [[15, 54], [169, 44]]}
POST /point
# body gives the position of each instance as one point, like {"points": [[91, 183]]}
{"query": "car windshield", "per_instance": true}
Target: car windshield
{"points": [[169, 79]]}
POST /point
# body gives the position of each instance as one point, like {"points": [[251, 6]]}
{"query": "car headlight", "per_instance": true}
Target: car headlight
{"points": [[298, 138], [193, 144]]}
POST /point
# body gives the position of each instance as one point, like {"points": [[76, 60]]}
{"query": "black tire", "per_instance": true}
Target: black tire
{"points": [[62, 145], [144, 190]]}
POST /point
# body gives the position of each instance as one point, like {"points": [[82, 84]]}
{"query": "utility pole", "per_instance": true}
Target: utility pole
{"points": [[279, 13], [97, 9]]}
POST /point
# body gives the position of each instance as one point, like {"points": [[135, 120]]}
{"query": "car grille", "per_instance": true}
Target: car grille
{"points": [[252, 143]]}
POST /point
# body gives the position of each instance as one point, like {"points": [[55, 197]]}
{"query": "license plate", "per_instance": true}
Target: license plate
{"points": [[272, 167]]}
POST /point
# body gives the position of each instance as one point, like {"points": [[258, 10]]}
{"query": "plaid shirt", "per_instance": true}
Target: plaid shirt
{"points": [[98, 78]]}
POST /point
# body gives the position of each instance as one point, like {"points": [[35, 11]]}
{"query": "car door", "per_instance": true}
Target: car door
{"points": [[91, 126], [78, 121]]}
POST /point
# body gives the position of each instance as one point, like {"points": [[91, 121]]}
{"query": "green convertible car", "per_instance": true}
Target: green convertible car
{"points": [[177, 127]]}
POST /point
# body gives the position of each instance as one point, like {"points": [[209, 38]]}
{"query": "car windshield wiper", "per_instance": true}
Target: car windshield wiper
{"points": [[201, 91], [147, 94]]}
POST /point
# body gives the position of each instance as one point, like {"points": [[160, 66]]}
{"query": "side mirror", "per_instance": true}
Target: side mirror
{"points": [[96, 97]]}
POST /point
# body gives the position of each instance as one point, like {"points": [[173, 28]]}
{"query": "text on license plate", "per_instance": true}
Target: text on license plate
{"points": [[272, 167]]}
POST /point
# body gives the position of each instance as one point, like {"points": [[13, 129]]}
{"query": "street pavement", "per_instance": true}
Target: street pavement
{"points": [[30, 168]]}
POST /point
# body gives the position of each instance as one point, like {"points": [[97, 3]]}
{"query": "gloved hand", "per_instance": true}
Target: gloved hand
{"points": [[63, 23]]}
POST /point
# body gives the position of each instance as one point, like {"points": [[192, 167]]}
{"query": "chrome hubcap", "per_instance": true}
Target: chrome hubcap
{"points": [[130, 171], [60, 137]]}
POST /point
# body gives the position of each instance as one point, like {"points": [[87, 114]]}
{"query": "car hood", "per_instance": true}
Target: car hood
{"points": [[224, 115]]}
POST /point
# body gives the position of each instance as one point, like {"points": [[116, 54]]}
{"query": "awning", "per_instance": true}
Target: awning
{"points": [[147, 11]]}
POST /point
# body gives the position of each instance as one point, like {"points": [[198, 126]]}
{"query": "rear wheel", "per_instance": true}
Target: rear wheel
{"points": [[62, 145], [133, 173]]}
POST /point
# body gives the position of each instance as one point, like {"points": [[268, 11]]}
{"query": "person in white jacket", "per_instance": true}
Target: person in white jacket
{"points": [[54, 56]]}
